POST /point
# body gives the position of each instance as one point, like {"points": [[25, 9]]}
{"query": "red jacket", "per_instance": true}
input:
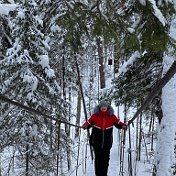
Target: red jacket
{"points": [[103, 121], [102, 124]]}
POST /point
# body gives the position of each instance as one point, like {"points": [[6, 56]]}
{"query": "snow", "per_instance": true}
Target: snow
{"points": [[166, 136], [45, 43], [33, 3], [13, 52], [44, 61], [11, 1], [47, 1], [172, 32], [158, 13], [6, 8], [113, 164], [21, 15], [143, 2], [28, 77], [39, 20], [131, 30], [123, 68], [55, 28], [34, 131], [50, 73]]}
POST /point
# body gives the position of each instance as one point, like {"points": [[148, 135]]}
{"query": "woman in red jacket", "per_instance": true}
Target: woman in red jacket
{"points": [[102, 122]]}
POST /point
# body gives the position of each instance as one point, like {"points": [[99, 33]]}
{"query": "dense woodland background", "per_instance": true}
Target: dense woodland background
{"points": [[54, 53]]}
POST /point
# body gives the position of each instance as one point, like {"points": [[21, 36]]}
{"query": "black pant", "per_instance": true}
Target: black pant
{"points": [[102, 156]]}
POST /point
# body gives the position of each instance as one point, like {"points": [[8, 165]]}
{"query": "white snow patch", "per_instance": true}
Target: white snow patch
{"points": [[130, 61], [172, 32], [143, 2], [158, 13], [44, 61], [6, 8], [131, 30], [21, 15]]}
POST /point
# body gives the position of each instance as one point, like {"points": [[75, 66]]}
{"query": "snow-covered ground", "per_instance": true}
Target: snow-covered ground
{"points": [[114, 161], [143, 169]]}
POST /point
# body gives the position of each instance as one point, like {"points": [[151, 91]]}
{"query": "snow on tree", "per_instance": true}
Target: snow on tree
{"points": [[165, 164], [27, 77]]}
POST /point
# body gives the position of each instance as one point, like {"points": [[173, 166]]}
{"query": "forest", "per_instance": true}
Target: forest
{"points": [[59, 58]]}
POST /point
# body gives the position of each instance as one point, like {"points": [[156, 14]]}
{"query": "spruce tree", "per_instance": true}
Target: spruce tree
{"points": [[28, 78]]}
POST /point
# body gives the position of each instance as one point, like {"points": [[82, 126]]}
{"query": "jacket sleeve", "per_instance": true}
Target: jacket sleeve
{"points": [[89, 122], [117, 123]]}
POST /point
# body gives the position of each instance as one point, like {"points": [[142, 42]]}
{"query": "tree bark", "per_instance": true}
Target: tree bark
{"points": [[101, 63], [27, 160], [78, 114]]}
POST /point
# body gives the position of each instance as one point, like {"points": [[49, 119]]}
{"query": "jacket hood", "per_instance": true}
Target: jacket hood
{"points": [[110, 110]]}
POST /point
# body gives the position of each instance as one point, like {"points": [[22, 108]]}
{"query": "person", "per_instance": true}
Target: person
{"points": [[101, 138]]}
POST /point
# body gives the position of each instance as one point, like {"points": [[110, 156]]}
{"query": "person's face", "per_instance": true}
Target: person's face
{"points": [[104, 108]]}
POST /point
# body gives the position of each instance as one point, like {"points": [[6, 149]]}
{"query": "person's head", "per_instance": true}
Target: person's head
{"points": [[103, 105]]}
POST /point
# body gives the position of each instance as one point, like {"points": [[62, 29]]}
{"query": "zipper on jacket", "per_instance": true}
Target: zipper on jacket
{"points": [[103, 131]]}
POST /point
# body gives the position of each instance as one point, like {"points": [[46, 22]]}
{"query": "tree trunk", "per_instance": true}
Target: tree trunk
{"points": [[101, 63], [83, 101], [166, 146], [78, 115], [0, 167], [116, 61], [27, 160], [68, 134], [58, 149], [140, 138]]}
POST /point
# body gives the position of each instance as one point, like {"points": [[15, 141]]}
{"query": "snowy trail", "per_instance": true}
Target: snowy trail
{"points": [[143, 168], [114, 160]]}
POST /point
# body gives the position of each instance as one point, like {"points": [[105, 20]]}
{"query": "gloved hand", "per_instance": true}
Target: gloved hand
{"points": [[84, 127], [124, 127]]}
